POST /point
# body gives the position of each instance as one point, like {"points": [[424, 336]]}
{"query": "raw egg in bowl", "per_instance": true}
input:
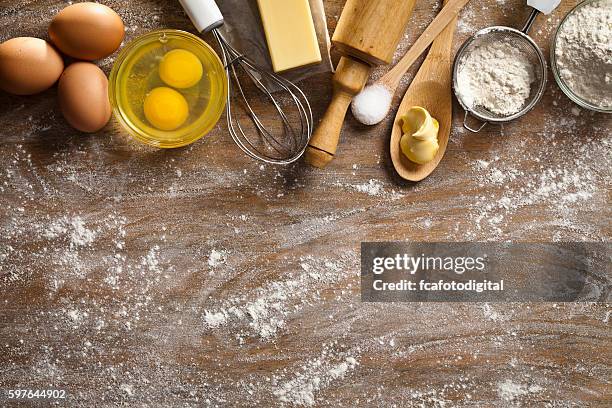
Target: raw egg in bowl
{"points": [[168, 88]]}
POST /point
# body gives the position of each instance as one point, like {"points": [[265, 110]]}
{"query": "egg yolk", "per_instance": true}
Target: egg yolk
{"points": [[165, 108], [180, 69]]}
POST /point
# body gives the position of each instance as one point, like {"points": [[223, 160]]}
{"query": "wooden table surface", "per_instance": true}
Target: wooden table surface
{"points": [[131, 276]]}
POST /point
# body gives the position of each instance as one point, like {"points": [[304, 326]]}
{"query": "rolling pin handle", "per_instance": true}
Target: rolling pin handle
{"points": [[349, 79]]}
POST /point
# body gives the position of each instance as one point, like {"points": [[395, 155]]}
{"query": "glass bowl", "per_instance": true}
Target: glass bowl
{"points": [[135, 74], [555, 68]]}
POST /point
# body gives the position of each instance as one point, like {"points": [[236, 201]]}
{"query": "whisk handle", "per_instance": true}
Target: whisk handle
{"points": [[204, 14], [350, 78]]}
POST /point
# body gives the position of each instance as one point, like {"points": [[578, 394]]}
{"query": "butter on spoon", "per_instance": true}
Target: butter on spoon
{"points": [[420, 140]]}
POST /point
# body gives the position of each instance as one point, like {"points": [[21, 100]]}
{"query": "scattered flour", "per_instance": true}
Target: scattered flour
{"points": [[372, 187], [265, 313], [216, 258], [490, 313], [214, 320], [75, 316], [79, 234], [127, 389], [313, 376], [564, 188], [511, 391]]}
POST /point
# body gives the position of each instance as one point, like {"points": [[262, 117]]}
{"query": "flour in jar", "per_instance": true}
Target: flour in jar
{"points": [[496, 75], [583, 52]]}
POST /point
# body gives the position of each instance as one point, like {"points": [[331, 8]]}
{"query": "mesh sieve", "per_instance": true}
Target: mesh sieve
{"points": [[527, 46]]}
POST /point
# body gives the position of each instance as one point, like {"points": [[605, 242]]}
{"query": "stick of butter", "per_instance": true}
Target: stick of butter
{"points": [[290, 33]]}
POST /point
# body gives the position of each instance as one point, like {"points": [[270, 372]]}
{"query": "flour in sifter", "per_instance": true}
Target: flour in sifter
{"points": [[496, 76]]}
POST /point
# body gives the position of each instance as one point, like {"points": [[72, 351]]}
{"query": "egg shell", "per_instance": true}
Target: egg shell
{"points": [[87, 31], [28, 65], [83, 97]]}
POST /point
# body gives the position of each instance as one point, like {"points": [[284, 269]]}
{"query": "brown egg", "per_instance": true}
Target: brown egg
{"points": [[83, 97], [28, 65], [87, 31]]}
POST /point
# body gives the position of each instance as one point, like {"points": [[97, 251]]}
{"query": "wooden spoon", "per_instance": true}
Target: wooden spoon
{"points": [[446, 17], [431, 89]]}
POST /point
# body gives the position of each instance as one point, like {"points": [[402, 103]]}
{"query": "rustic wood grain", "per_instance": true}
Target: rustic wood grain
{"points": [[111, 253]]}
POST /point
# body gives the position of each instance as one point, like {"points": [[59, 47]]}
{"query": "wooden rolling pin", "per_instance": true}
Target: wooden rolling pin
{"points": [[367, 34]]}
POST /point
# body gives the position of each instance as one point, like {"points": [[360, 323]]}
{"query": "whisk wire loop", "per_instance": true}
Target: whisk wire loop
{"points": [[284, 147]]}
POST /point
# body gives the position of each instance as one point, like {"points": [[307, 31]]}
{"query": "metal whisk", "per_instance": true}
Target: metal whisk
{"points": [[277, 147]]}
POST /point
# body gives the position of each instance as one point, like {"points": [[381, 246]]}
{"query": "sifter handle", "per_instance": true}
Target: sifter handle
{"points": [[530, 21], [468, 127], [545, 6], [539, 6], [204, 14]]}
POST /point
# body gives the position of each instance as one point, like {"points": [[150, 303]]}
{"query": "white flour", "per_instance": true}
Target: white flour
{"points": [[216, 258], [510, 391], [497, 76], [584, 52], [311, 377]]}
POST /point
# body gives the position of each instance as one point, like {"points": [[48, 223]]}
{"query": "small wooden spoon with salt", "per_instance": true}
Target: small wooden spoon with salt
{"points": [[431, 88]]}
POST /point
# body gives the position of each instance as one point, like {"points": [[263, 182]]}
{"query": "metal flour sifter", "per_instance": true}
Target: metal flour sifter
{"points": [[280, 139], [525, 44]]}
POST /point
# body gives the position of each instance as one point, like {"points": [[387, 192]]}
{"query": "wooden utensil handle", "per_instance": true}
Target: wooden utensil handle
{"points": [[350, 78], [447, 15], [441, 48]]}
